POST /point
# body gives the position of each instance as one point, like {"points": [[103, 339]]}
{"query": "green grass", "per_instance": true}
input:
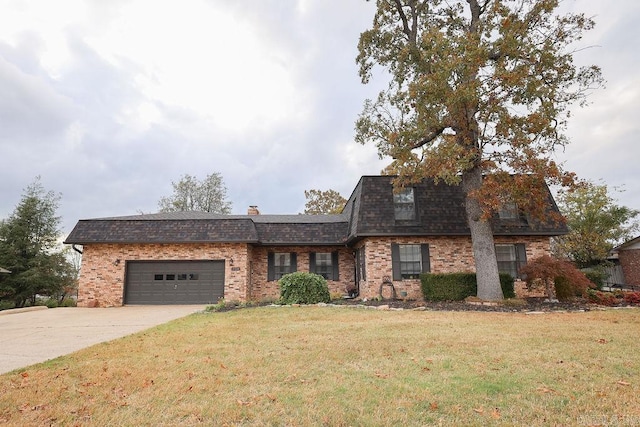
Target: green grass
{"points": [[344, 366]]}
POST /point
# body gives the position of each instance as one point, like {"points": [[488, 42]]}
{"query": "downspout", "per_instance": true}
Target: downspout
{"points": [[76, 249], [355, 274]]}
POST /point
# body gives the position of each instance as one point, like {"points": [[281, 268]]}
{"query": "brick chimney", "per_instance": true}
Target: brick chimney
{"points": [[253, 210]]}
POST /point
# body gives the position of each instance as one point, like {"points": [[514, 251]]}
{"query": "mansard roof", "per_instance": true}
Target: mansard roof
{"points": [[204, 227], [439, 212], [368, 212]]}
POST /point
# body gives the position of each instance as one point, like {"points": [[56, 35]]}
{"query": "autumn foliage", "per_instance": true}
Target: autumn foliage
{"points": [[560, 278]]}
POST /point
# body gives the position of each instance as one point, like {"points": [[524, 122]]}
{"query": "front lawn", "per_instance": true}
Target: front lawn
{"points": [[345, 366]]}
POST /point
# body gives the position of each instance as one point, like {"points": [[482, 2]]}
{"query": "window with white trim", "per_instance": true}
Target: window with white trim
{"points": [[404, 206]]}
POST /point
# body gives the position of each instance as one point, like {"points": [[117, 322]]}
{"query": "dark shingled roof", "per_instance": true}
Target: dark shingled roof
{"points": [[369, 212], [201, 227], [112, 230], [439, 212]]}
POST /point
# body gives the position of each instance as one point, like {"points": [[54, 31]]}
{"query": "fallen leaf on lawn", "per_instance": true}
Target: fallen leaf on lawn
{"points": [[545, 390], [243, 403], [602, 341], [623, 383], [222, 366], [381, 375], [24, 374], [478, 410], [495, 414], [271, 397], [433, 406], [426, 369]]}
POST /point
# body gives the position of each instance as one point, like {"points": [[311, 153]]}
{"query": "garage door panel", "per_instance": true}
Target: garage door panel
{"points": [[174, 282]]}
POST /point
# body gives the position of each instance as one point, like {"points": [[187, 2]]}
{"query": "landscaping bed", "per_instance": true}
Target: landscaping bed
{"points": [[516, 305], [533, 304]]}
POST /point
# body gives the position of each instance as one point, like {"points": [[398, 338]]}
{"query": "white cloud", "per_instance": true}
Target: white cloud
{"points": [[112, 100]]}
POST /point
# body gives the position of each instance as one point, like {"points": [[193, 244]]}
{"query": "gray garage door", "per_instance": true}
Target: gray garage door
{"points": [[174, 282]]}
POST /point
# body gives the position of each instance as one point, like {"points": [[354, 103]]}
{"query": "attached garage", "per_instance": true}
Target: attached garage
{"points": [[174, 282]]}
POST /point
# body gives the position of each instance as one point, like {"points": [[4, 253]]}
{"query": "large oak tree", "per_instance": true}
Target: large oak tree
{"points": [[478, 88]]}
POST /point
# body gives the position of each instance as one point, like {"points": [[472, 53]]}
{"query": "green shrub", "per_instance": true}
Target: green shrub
{"points": [[564, 289], [596, 275], [51, 303], [6, 305], [458, 286], [68, 302], [303, 288]]}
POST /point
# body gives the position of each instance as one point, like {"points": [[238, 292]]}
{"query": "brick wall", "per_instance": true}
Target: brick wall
{"points": [[102, 273], [262, 289], [447, 255], [630, 262], [102, 279]]}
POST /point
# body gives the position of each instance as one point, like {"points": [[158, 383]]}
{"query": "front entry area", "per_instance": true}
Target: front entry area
{"points": [[174, 282]]}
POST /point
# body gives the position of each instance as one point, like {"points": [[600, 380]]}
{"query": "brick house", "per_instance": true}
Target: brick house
{"points": [[380, 237], [628, 255]]}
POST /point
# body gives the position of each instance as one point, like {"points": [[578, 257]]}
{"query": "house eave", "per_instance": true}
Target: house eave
{"points": [[156, 242]]}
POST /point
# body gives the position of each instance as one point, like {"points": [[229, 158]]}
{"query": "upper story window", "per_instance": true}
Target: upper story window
{"points": [[404, 205], [508, 210]]}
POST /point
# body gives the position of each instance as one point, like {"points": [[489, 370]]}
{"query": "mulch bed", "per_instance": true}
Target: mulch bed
{"points": [[530, 304], [524, 305]]}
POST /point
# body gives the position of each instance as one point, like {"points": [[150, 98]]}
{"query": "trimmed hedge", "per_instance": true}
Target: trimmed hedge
{"points": [[303, 288], [458, 286]]}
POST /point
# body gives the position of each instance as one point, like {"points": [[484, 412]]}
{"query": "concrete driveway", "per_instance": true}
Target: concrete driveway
{"points": [[34, 336]]}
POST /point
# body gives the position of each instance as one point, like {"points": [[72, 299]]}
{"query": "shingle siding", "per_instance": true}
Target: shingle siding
{"points": [[439, 212]]}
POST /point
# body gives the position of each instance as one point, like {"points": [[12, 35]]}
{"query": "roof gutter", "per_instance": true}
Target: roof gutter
{"points": [[75, 248]]}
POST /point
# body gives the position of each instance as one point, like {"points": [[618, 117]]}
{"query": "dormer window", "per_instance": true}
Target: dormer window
{"points": [[404, 205], [508, 210]]}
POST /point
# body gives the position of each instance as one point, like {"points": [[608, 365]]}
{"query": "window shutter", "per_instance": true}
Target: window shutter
{"points": [[395, 261], [312, 262], [294, 262], [521, 256], [271, 270], [426, 263], [334, 264]]}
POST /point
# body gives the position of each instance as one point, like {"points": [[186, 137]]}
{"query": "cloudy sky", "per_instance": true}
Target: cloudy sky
{"points": [[111, 101]]}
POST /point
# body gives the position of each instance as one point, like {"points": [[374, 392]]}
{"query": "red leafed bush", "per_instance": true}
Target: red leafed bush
{"points": [[602, 298], [632, 298], [551, 272]]}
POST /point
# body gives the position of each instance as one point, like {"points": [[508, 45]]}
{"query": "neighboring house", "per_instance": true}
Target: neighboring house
{"points": [[380, 237], [628, 257]]}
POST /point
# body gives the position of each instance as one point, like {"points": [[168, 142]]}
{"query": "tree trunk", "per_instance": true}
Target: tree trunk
{"points": [[484, 252]]}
